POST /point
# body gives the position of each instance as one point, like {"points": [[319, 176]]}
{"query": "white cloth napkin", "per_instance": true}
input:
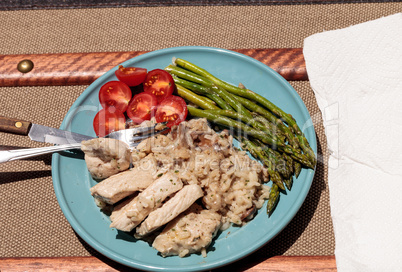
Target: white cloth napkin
{"points": [[356, 75]]}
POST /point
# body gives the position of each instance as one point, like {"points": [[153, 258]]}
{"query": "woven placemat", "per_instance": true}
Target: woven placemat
{"points": [[31, 222]]}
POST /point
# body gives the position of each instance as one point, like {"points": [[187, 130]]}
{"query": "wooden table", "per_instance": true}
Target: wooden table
{"points": [[83, 69]]}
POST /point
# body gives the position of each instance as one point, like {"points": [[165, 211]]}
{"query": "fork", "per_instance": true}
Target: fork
{"points": [[129, 136]]}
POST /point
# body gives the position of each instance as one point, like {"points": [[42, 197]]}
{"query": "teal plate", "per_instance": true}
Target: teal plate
{"points": [[72, 181]]}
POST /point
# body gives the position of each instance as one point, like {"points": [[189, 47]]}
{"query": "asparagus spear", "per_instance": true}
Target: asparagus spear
{"points": [[274, 142], [306, 148], [232, 101], [246, 93], [252, 106], [280, 164], [247, 120], [188, 75], [184, 77], [194, 98], [201, 77], [265, 138], [288, 182], [288, 161], [273, 199], [297, 166], [203, 91], [222, 120], [275, 177], [296, 155], [272, 127], [277, 184], [242, 92], [227, 97]]}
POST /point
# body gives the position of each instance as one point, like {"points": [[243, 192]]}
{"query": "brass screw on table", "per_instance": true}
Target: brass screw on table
{"points": [[24, 66]]}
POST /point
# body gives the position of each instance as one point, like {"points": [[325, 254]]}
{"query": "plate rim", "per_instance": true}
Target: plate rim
{"points": [[87, 237]]}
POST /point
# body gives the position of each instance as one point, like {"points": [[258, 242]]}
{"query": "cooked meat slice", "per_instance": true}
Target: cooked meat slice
{"points": [[144, 146], [161, 141], [181, 153], [148, 164], [105, 157], [119, 186], [119, 208], [190, 232], [155, 142], [132, 214], [172, 208]]}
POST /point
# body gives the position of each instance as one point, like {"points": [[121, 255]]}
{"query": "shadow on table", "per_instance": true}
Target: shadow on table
{"points": [[276, 247], [8, 177]]}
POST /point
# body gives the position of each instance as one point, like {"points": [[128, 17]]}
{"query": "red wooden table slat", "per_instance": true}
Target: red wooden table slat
{"points": [[83, 68], [93, 264]]}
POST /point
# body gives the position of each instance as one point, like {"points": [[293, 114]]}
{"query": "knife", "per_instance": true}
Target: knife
{"points": [[40, 133]]}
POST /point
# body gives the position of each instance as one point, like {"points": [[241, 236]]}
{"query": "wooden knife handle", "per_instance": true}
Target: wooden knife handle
{"points": [[84, 68], [14, 126]]}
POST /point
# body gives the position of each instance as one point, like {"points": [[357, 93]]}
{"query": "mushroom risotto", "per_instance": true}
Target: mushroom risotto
{"points": [[183, 187]]}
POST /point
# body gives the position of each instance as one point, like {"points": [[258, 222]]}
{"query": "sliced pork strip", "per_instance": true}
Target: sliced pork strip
{"points": [[190, 232], [132, 214], [119, 208], [171, 209], [121, 185], [106, 157]]}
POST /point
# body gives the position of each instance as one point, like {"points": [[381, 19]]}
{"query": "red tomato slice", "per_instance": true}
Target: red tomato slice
{"points": [[160, 83], [142, 107], [173, 110], [115, 94], [108, 120], [132, 76]]}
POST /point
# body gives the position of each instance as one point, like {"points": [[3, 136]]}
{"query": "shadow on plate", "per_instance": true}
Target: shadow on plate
{"points": [[9, 177]]}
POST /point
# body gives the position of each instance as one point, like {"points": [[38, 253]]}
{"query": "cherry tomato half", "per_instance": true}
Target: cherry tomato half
{"points": [[173, 110], [115, 94], [132, 76], [108, 120], [160, 83], [142, 107]]}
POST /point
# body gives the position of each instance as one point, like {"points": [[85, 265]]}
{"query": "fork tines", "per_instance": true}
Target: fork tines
{"points": [[135, 140], [144, 130]]}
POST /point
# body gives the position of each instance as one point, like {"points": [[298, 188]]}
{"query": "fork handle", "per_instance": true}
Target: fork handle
{"points": [[14, 126], [17, 154]]}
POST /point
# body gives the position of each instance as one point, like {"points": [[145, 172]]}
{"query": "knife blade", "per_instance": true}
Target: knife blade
{"points": [[40, 133]]}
